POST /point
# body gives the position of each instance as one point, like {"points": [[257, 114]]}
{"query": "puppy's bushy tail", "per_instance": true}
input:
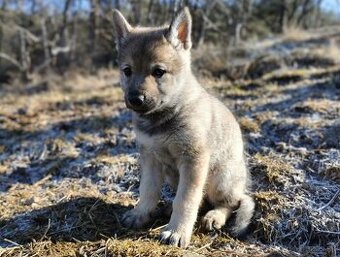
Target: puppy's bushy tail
{"points": [[243, 216]]}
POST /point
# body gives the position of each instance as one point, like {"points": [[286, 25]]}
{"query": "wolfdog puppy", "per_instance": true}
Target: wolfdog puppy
{"points": [[186, 137]]}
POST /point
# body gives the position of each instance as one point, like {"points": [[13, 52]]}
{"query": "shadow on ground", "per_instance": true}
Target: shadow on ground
{"points": [[80, 219], [49, 150]]}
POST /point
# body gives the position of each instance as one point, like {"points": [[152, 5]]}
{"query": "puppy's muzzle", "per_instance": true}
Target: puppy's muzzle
{"points": [[139, 102], [136, 100]]}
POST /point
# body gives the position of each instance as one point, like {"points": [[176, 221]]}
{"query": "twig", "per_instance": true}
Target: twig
{"points": [[47, 229], [167, 252], [329, 232], [65, 230], [330, 202], [100, 250], [12, 242], [203, 247], [158, 228], [42, 181]]}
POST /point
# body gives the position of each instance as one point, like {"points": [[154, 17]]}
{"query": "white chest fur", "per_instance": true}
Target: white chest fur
{"points": [[159, 147]]}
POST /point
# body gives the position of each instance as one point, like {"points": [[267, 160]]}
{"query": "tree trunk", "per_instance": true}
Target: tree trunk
{"points": [[3, 9], [149, 18], [238, 29], [93, 30], [45, 42], [24, 56], [307, 7], [283, 17], [73, 55], [201, 31], [136, 10], [117, 4], [62, 55]]}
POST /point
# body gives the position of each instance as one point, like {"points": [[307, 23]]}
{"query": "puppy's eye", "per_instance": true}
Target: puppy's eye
{"points": [[127, 71], [158, 73]]}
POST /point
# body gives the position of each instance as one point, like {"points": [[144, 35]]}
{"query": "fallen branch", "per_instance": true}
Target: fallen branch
{"points": [[11, 60], [27, 33]]}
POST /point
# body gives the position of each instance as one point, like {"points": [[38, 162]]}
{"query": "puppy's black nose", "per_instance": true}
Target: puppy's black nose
{"points": [[136, 100]]}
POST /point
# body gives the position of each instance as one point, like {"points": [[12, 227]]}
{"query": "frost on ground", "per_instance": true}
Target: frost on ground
{"points": [[69, 163]]}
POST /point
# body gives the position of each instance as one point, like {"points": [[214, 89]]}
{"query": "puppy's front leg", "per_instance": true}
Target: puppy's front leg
{"points": [[193, 173], [149, 190]]}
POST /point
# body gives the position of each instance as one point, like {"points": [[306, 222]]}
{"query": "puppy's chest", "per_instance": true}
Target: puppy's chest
{"points": [[159, 148]]}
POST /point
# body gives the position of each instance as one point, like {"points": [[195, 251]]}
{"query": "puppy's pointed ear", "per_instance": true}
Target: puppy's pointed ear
{"points": [[121, 25], [179, 33]]}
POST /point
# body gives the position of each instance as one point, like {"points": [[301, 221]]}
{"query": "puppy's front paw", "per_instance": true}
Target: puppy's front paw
{"points": [[179, 238], [135, 219]]}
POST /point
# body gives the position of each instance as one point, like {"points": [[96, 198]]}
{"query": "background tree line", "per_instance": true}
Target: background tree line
{"points": [[43, 35]]}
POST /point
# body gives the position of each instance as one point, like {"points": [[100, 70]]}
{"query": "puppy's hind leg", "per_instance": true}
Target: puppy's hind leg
{"points": [[217, 194], [226, 192], [243, 206]]}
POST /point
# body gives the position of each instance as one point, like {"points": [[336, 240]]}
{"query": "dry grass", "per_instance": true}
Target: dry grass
{"points": [[318, 106], [274, 168], [68, 164], [332, 50], [248, 125], [294, 33]]}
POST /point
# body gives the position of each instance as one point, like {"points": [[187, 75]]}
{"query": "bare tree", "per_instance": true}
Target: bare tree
{"points": [[149, 18], [33, 38], [63, 47], [117, 4], [93, 28], [45, 42]]}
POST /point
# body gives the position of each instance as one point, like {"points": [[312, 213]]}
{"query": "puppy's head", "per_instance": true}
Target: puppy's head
{"points": [[153, 62]]}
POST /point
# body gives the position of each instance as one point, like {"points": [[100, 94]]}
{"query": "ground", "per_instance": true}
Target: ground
{"points": [[69, 163]]}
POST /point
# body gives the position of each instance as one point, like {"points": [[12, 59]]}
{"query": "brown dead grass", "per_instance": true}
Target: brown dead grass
{"points": [[248, 125], [294, 33], [274, 169], [317, 106], [332, 172], [332, 50], [87, 176]]}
